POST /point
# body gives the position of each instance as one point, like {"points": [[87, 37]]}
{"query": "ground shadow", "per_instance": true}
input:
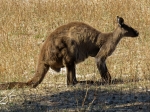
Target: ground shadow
{"points": [[86, 99]]}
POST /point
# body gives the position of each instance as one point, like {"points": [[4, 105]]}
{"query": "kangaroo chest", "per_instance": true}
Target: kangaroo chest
{"points": [[110, 48]]}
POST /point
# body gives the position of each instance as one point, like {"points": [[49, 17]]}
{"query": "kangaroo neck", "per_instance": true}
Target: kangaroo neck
{"points": [[112, 37], [116, 36]]}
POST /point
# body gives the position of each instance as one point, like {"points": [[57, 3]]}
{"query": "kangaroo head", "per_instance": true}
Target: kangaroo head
{"points": [[126, 30]]}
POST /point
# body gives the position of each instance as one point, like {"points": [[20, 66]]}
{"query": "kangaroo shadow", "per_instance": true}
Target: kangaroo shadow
{"points": [[113, 82], [99, 83]]}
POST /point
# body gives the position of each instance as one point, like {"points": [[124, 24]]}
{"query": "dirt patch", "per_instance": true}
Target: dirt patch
{"points": [[82, 97]]}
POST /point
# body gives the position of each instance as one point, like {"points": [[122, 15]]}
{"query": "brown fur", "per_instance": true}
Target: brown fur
{"points": [[73, 43]]}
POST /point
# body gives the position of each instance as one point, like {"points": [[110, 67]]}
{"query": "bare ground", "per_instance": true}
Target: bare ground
{"points": [[96, 97]]}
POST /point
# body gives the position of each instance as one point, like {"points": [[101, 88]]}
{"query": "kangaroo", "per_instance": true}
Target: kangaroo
{"points": [[71, 44]]}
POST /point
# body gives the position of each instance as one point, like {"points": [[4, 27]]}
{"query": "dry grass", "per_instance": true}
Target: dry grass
{"points": [[25, 23]]}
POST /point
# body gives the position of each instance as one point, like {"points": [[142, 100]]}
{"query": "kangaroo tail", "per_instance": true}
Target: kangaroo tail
{"points": [[34, 82], [11, 85], [39, 75]]}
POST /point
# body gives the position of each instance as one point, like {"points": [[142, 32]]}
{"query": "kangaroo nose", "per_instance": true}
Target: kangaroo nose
{"points": [[137, 33]]}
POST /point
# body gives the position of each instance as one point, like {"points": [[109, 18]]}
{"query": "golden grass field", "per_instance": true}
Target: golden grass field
{"points": [[24, 24]]}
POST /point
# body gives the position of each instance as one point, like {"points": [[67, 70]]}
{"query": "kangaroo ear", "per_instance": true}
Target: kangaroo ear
{"points": [[120, 20]]}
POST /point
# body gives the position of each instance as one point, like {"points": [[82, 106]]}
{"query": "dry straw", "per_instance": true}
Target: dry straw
{"points": [[25, 23]]}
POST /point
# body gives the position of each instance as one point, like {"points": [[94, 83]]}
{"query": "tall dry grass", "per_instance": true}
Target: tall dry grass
{"points": [[25, 23]]}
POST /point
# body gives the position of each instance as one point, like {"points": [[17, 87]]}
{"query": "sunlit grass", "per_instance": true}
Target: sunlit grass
{"points": [[25, 23]]}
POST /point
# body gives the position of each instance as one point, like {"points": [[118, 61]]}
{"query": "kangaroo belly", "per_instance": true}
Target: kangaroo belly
{"points": [[86, 50]]}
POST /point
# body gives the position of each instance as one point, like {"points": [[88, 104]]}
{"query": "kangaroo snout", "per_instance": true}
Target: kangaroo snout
{"points": [[136, 33]]}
